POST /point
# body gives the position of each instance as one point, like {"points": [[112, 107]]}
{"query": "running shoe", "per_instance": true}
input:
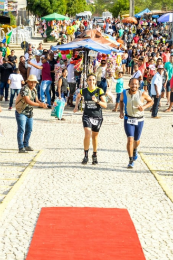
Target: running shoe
{"points": [[135, 156], [94, 158], [130, 165], [10, 108], [85, 160]]}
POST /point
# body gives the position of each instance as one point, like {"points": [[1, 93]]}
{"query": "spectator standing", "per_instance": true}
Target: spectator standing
{"points": [[3, 49], [72, 83], [22, 68], [12, 59], [46, 79], [6, 69], [35, 71], [156, 88], [27, 54], [169, 67], [118, 89], [25, 102], [52, 63], [15, 81], [70, 32]]}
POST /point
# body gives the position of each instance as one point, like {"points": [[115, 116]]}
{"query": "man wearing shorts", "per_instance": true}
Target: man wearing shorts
{"points": [[132, 101]]}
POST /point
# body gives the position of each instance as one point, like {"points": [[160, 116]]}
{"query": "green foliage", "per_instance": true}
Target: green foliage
{"points": [[77, 6], [45, 7], [12, 19], [120, 7]]}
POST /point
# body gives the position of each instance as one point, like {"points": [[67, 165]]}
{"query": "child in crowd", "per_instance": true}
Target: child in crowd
{"points": [[15, 81], [119, 89], [110, 84]]}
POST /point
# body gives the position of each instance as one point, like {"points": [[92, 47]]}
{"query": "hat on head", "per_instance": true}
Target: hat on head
{"points": [[32, 78], [160, 67], [38, 53]]}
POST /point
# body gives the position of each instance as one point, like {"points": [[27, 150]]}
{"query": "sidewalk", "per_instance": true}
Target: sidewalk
{"points": [[59, 179]]}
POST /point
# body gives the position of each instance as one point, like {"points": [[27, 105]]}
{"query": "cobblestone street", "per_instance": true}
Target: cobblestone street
{"points": [[58, 179]]}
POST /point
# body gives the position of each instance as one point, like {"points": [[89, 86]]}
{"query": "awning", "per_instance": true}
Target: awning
{"points": [[88, 44], [142, 13]]}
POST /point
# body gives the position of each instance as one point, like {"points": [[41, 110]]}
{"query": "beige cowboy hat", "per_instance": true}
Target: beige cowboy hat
{"points": [[32, 78]]}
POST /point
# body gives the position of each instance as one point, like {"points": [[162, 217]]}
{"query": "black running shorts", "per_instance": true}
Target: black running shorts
{"points": [[93, 123]]}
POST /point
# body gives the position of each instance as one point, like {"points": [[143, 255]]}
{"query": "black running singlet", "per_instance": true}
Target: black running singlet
{"points": [[92, 109]]}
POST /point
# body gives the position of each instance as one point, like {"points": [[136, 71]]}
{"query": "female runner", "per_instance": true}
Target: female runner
{"points": [[94, 99]]}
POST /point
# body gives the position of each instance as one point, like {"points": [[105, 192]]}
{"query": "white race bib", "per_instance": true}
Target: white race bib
{"points": [[132, 121], [94, 121]]}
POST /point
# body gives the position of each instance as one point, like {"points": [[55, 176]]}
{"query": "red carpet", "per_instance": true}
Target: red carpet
{"points": [[85, 234]]}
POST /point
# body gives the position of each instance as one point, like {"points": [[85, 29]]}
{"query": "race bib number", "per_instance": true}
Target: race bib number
{"points": [[91, 105], [94, 121], [132, 121]]}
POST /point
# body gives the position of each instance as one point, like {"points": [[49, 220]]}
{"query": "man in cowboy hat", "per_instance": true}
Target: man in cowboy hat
{"points": [[26, 100]]}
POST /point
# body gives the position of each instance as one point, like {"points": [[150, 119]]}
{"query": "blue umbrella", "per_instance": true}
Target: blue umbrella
{"points": [[166, 18]]}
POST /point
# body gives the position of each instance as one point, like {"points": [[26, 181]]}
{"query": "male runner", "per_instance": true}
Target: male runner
{"points": [[134, 101]]}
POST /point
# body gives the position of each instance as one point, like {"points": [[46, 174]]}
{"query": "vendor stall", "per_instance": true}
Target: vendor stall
{"points": [[50, 26]]}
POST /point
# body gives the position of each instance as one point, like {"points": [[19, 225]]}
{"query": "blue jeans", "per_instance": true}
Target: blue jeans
{"points": [[24, 129], [45, 88], [12, 94], [38, 89], [4, 85]]}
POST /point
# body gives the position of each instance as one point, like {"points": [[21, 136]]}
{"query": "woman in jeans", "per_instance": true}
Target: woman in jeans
{"points": [[24, 114], [46, 79]]}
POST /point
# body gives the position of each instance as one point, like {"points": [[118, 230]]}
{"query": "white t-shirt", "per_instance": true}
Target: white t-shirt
{"points": [[33, 70], [26, 56], [156, 80], [137, 74], [16, 80], [70, 76]]}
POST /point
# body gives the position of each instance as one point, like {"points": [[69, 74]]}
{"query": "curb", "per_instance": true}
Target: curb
{"points": [[17, 185], [160, 180]]}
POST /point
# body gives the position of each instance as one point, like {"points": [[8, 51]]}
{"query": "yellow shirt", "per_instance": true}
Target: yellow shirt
{"points": [[70, 30]]}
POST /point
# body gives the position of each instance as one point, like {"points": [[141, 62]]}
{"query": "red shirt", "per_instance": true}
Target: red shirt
{"points": [[165, 56], [136, 39], [142, 68], [46, 75]]}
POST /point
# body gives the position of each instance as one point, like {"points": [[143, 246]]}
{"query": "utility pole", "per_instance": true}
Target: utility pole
{"points": [[132, 7]]}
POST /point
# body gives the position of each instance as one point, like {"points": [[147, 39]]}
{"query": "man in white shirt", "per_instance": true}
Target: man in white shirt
{"points": [[156, 89], [27, 54], [37, 72], [72, 83]]}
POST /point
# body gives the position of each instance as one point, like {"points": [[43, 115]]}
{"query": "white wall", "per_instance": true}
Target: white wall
{"points": [[21, 4]]}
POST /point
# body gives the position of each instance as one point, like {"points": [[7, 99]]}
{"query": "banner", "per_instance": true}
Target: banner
{"points": [[2, 5], [12, 6]]}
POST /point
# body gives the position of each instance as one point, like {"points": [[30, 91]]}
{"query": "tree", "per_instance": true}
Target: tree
{"points": [[45, 7], [12, 19], [119, 7], [77, 6]]}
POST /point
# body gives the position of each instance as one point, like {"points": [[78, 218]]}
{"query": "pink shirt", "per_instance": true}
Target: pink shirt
{"points": [[171, 82], [46, 75]]}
